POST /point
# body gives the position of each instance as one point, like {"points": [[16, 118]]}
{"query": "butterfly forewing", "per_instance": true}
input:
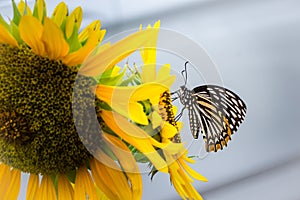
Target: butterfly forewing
{"points": [[226, 102]]}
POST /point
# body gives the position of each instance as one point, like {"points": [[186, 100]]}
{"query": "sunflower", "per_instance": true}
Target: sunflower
{"points": [[56, 82]]}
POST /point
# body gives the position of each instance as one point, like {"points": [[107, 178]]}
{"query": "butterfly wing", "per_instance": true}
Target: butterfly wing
{"points": [[195, 122], [220, 112]]}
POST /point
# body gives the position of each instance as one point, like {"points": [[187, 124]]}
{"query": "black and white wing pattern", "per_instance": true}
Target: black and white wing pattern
{"points": [[215, 111]]}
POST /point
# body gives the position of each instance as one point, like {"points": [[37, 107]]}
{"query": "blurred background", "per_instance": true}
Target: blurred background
{"points": [[256, 47]]}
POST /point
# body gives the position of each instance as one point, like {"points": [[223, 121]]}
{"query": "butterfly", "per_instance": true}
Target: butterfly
{"points": [[214, 110]]}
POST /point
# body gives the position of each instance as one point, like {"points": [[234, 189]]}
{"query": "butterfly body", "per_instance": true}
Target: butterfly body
{"points": [[214, 111]]}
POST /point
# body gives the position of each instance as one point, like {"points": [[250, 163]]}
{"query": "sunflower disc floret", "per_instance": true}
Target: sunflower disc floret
{"points": [[37, 123]]}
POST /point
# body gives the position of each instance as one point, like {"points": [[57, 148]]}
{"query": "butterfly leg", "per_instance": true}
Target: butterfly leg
{"points": [[175, 95], [174, 98], [179, 115]]}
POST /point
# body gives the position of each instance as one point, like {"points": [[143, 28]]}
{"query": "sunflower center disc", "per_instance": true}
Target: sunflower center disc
{"points": [[37, 131]]}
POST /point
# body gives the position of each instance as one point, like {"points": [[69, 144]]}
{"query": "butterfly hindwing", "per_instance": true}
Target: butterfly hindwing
{"points": [[212, 126], [215, 111], [195, 123]]}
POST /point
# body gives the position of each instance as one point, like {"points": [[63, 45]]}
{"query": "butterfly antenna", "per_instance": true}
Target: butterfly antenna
{"points": [[184, 72]]}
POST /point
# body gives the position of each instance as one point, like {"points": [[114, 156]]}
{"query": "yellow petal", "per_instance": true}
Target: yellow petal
{"points": [[156, 24], [5, 177], [115, 71], [164, 72], [128, 164], [164, 76], [77, 57], [13, 187], [53, 38], [65, 189], [114, 175], [97, 64], [124, 99], [149, 51], [46, 190], [174, 109], [136, 137], [24, 9], [101, 48], [156, 119], [168, 130], [102, 179], [179, 125], [180, 179], [182, 183], [95, 25], [6, 37], [101, 35], [148, 54], [100, 194], [135, 112], [84, 185], [40, 5], [189, 160], [167, 81], [32, 188], [59, 14], [31, 31], [148, 73], [192, 172], [73, 21]]}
